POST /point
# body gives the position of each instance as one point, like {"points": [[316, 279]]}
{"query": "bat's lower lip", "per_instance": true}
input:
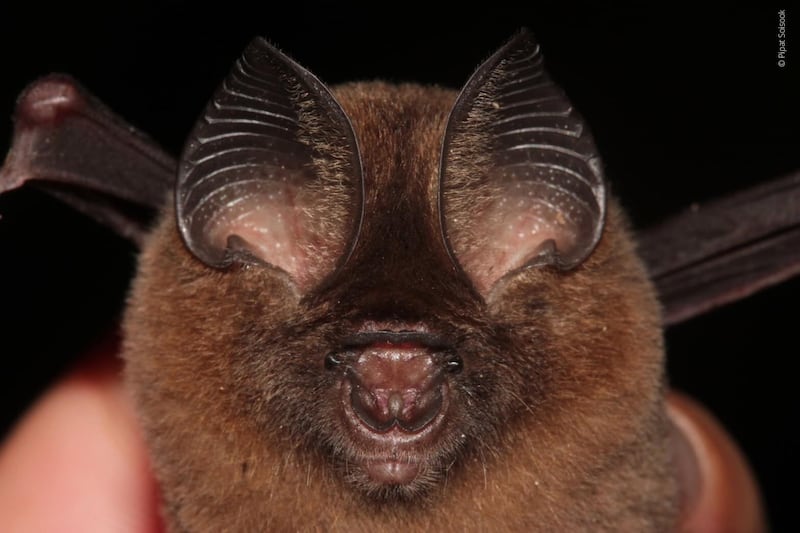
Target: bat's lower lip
{"points": [[388, 471]]}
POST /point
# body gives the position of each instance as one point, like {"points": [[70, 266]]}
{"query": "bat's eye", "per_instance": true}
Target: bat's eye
{"points": [[454, 364], [332, 362]]}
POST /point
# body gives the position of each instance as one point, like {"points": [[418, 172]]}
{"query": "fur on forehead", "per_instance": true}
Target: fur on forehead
{"points": [[399, 129]]}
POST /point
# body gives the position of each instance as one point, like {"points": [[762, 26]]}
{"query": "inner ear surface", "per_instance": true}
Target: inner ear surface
{"points": [[521, 182], [273, 166]]}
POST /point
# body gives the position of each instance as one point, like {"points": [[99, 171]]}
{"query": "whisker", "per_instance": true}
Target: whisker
{"points": [[520, 400]]}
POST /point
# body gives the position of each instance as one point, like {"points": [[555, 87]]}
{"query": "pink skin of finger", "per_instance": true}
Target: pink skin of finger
{"points": [[725, 497], [77, 462]]}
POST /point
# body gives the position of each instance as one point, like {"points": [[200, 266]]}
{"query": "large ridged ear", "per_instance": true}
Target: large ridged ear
{"points": [[520, 182], [271, 172]]}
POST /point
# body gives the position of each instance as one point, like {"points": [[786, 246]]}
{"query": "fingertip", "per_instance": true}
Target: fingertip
{"points": [[721, 493], [77, 461]]}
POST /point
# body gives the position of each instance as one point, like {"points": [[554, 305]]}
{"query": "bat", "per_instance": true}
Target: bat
{"points": [[505, 377]]}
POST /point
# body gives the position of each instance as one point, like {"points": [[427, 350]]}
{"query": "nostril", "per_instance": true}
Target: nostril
{"points": [[423, 411], [380, 410], [367, 407]]}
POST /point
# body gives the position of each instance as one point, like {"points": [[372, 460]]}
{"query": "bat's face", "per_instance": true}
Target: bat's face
{"points": [[398, 306]]}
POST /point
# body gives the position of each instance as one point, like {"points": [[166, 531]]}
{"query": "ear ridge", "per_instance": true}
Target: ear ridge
{"points": [[274, 162], [521, 182]]}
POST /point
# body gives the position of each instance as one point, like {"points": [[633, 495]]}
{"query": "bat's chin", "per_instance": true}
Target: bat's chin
{"points": [[394, 476], [392, 470], [393, 479]]}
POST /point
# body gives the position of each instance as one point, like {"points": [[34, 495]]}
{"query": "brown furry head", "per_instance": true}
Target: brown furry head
{"points": [[398, 308]]}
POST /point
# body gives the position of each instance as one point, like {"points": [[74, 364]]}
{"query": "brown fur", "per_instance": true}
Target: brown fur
{"points": [[558, 421]]}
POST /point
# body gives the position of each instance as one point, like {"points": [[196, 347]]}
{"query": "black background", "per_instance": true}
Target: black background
{"points": [[685, 104]]}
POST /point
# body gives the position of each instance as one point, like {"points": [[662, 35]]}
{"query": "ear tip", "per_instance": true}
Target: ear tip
{"points": [[525, 33], [523, 38], [259, 41], [260, 46]]}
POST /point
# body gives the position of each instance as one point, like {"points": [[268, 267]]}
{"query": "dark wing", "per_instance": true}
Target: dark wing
{"points": [[717, 253], [68, 143]]}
